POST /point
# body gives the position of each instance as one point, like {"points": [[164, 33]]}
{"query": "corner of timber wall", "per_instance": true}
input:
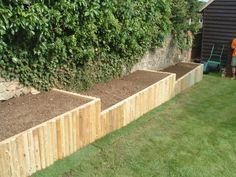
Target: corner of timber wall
{"points": [[128, 110], [39, 147], [189, 79]]}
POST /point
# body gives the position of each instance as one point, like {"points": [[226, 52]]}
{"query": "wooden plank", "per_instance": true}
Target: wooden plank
{"points": [[21, 155], [41, 147], [107, 123], [70, 134], [192, 78], [146, 98], [102, 121], [74, 131], [46, 145], [66, 136], [93, 122], [155, 95], [1, 162], [53, 131], [2, 159], [110, 121], [140, 105], [89, 124], [128, 112], [173, 81], [59, 139], [142, 100], [166, 89], [63, 136], [170, 93], [15, 168], [132, 117], [78, 136], [125, 113], [31, 153], [82, 131], [161, 92], [152, 101], [116, 119], [137, 106], [122, 115], [5, 160], [119, 117], [37, 155], [102, 124], [107, 127], [98, 119], [50, 143], [26, 154]]}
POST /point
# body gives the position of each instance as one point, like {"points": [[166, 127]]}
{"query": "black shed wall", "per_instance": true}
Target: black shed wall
{"points": [[219, 27]]}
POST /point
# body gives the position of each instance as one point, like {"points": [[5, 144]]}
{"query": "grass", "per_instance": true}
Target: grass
{"points": [[193, 135]]}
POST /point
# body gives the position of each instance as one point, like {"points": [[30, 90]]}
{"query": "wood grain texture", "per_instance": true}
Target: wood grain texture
{"points": [[189, 79], [136, 105], [39, 147]]}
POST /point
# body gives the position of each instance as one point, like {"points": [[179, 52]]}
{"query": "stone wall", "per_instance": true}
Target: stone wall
{"points": [[154, 59], [162, 57], [10, 89]]}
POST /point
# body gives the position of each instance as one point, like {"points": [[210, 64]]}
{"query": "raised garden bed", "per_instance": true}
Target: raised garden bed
{"points": [[124, 100], [116, 90], [20, 114], [44, 128], [187, 74]]}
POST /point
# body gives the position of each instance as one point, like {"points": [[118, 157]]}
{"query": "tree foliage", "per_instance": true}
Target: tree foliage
{"points": [[185, 17], [74, 43]]}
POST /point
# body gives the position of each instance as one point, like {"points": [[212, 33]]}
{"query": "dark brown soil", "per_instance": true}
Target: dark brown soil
{"points": [[119, 89], [20, 114], [180, 69]]}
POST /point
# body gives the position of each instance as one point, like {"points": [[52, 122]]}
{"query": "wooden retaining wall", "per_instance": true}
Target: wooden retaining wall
{"points": [[189, 79], [136, 105], [39, 147]]}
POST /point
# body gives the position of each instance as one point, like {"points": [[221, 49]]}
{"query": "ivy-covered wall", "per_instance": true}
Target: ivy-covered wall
{"points": [[76, 43]]}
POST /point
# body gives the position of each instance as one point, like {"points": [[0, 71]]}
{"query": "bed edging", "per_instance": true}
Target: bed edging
{"points": [[40, 146]]}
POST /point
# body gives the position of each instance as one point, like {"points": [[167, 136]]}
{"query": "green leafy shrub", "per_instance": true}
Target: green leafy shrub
{"points": [[185, 17], [76, 43]]}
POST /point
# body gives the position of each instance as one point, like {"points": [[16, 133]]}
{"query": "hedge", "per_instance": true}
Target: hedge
{"points": [[75, 43]]}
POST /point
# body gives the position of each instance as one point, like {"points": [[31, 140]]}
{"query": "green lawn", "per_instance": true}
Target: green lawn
{"points": [[193, 135]]}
